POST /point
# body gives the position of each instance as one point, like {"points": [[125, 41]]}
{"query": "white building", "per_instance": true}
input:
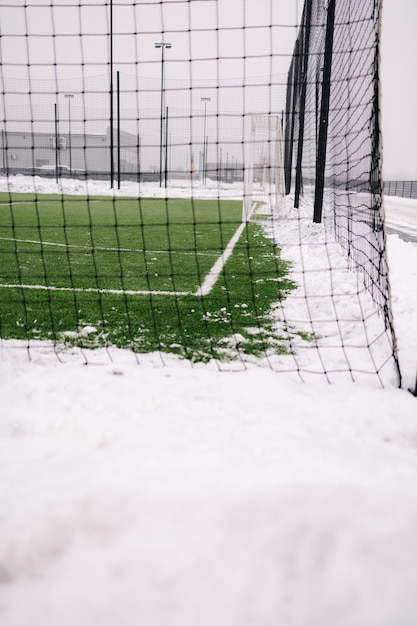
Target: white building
{"points": [[42, 153]]}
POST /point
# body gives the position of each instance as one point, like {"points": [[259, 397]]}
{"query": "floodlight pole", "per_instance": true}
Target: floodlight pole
{"points": [[205, 100], [118, 127], [56, 142], [166, 148], [162, 46], [111, 97], [69, 96]]}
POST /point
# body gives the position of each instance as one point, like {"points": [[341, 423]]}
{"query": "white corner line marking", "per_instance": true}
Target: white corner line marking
{"points": [[214, 273], [204, 290]]}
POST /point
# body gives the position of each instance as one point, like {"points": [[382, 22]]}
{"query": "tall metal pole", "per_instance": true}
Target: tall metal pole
{"points": [[162, 46], [205, 100], [162, 118], [56, 142], [118, 129], [205, 159], [111, 97], [166, 148], [138, 156], [69, 96]]}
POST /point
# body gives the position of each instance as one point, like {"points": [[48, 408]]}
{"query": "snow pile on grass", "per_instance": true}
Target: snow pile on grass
{"points": [[181, 495]]}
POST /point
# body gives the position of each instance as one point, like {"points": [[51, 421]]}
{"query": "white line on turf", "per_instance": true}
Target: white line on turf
{"points": [[121, 292], [214, 273], [203, 290], [102, 248]]}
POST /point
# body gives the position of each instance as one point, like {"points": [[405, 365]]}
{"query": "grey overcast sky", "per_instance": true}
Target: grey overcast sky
{"points": [[215, 41], [216, 34], [399, 88]]}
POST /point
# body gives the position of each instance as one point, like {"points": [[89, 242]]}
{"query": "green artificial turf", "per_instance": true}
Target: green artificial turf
{"points": [[126, 272]]}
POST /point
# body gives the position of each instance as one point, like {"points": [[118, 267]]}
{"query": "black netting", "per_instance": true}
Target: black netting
{"points": [[139, 210]]}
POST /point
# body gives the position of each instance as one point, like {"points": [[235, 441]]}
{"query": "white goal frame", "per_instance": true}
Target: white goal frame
{"points": [[265, 132]]}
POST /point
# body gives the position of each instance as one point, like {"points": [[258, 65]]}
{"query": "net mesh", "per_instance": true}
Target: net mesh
{"points": [[124, 143]]}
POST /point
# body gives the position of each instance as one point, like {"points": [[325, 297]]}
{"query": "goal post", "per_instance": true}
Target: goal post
{"points": [[264, 172]]}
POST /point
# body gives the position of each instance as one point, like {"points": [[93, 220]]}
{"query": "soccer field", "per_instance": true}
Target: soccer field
{"points": [[178, 275], [113, 244]]}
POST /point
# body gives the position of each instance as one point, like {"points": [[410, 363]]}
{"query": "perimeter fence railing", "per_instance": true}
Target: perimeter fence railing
{"points": [[401, 188], [124, 143]]}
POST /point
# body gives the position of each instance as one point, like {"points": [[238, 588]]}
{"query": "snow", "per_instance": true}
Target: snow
{"points": [[164, 494], [401, 214]]}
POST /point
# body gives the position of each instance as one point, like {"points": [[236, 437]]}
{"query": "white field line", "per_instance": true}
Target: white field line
{"points": [[101, 248], [214, 273], [2, 203], [119, 292], [204, 290], [19, 202]]}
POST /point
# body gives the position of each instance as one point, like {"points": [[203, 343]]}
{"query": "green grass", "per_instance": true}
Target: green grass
{"points": [[98, 251]]}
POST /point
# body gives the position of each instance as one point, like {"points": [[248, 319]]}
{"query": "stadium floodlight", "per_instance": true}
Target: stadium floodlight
{"points": [[69, 96], [162, 46], [264, 172]]}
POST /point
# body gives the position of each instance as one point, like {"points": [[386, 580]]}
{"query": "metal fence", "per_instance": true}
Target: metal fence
{"points": [[401, 188]]}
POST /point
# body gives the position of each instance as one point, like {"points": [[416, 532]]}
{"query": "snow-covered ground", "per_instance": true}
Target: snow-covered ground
{"points": [[401, 215], [175, 495]]}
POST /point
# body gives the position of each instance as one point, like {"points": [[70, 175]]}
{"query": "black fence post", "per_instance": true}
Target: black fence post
{"points": [[303, 74], [324, 114]]}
